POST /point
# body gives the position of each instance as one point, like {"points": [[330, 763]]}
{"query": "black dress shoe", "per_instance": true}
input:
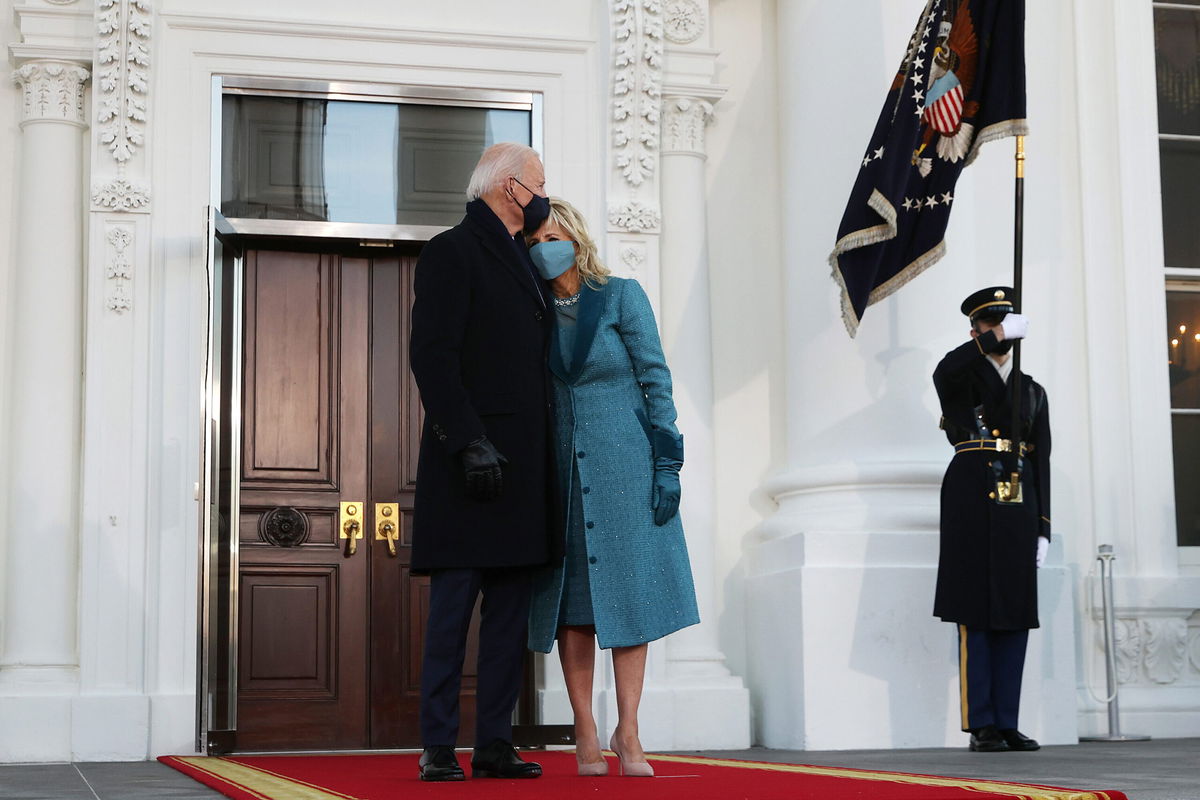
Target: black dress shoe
{"points": [[440, 764], [500, 760], [988, 740], [1019, 741]]}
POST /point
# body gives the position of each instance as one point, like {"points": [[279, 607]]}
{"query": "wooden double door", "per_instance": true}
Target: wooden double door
{"points": [[329, 617]]}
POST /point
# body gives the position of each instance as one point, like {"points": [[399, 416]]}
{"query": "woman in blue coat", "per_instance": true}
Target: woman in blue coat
{"points": [[625, 580]]}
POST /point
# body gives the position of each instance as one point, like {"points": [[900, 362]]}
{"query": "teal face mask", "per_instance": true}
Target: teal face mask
{"points": [[553, 258]]}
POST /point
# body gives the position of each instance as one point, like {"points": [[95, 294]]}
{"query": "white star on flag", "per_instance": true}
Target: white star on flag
{"points": [[930, 202], [918, 95], [916, 78], [866, 160], [921, 47], [879, 153], [946, 198], [918, 63], [907, 204]]}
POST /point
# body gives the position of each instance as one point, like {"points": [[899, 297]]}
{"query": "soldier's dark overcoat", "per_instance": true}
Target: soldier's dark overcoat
{"points": [[987, 575]]}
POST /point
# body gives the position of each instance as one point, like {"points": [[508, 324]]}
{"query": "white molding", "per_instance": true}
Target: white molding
{"points": [[120, 194], [684, 21], [636, 88], [342, 32], [123, 47]]}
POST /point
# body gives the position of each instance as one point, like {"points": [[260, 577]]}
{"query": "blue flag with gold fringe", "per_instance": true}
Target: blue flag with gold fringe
{"points": [[961, 84]]}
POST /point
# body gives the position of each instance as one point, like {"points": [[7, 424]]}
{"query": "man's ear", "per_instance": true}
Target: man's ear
{"points": [[974, 333]]}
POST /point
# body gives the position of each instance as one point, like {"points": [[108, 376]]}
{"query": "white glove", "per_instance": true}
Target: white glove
{"points": [[1043, 548], [1015, 326]]}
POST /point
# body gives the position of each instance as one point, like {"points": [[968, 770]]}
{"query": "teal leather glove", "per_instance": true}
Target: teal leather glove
{"points": [[668, 460]]}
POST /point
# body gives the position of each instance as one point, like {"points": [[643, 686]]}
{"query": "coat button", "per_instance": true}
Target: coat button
{"points": [[995, 431], [991, 495], [537, 315], [581, 454], [591, 524], [587, 490], [592, 560]]}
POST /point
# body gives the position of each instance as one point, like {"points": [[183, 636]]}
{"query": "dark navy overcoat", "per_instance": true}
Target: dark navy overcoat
{"points": [[480, 333]]}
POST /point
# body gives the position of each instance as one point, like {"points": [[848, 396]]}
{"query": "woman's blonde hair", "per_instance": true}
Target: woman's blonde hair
{"points": [[591, 270]]}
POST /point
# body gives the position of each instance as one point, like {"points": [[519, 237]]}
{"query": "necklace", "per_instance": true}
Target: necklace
{"points": [[563, 302]]}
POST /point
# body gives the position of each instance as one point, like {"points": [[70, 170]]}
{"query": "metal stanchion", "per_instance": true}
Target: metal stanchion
{"points": [[1105, 557]]}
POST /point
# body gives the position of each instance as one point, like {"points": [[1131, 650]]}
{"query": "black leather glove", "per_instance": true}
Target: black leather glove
{"points": [[481, 464]]}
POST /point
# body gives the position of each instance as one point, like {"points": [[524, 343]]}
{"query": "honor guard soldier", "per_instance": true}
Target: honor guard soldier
{"points": [[994, 534]]}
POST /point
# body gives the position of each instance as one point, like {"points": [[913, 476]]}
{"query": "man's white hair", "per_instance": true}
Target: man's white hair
{"points": [[496, 164]]}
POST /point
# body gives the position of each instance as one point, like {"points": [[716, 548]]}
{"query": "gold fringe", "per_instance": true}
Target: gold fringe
{"points": [[999, 130], [887, 230]]}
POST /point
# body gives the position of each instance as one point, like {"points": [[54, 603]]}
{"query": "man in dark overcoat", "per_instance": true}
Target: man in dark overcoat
{"points": [[484, 509], [991, 546]]}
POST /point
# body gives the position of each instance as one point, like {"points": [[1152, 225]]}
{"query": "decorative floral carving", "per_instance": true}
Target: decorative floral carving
{"points": [[632, 257], [1166, 648], [637, 80], [1128, 648], [120, 195], [635, 216], [683, 21], [53, 90], [119, 269], [122, 74], [283, 527], [686, 118]]}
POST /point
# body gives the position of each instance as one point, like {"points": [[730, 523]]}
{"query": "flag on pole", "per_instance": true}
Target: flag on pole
{"points": [[961, 84]]}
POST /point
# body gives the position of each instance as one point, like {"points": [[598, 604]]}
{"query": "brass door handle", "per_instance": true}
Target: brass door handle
{"points": [[387, 516], [350, 516]]}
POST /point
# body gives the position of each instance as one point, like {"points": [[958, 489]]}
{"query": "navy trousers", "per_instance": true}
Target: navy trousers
{"points": [[504, 619], [990, 664]]}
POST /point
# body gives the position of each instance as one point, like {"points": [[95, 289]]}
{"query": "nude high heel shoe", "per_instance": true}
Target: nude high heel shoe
{"points": [[630, 769], [592, 769]]}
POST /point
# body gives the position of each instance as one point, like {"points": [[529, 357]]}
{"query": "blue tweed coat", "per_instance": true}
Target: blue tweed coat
{"points": [[641, 581]]}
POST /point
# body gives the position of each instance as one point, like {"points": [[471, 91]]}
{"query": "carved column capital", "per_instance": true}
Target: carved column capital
{"points": [[684, 120], [53, 91]]}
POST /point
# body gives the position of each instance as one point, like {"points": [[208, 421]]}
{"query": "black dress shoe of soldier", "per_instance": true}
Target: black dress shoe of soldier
{"points": [[988, 740], [1019, 741], [500, 760], [440, 764]]}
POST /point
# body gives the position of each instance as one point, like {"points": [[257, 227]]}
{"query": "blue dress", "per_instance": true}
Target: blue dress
{"points": [[623, 574]]}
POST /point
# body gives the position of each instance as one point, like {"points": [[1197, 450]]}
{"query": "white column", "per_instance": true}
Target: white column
{"points": [[42, 525], [711, 705]]}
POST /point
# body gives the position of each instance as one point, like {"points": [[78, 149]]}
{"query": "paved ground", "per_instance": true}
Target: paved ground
{"points": [[1163, 769]]}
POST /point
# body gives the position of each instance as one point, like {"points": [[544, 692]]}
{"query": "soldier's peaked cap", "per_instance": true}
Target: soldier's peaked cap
{"points": [[992, 301]]}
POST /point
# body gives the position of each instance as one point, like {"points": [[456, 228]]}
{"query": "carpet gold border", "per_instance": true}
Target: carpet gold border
{"points": [[1016, 790], [257, 780]]}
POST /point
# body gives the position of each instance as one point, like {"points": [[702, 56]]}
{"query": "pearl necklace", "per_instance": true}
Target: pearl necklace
{"points": [[563, 302]]}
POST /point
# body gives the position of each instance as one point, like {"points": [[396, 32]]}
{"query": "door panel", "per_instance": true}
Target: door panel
{"points": [[303, 669]]}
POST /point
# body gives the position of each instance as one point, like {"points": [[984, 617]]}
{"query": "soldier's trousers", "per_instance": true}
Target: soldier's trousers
{"points": [[990, 664]]}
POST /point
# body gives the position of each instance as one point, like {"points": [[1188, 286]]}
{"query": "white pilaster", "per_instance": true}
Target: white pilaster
{"points": [[112, 716], [40, 654]]}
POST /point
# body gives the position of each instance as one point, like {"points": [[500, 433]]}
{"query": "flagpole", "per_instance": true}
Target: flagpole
{"points": [[1018, 268]]}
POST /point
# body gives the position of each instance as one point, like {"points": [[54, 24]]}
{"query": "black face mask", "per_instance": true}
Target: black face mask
{"points": [[535, 211], [1004, 346]]}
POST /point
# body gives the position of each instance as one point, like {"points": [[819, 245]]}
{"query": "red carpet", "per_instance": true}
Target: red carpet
{"points": [[387, 776]]}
